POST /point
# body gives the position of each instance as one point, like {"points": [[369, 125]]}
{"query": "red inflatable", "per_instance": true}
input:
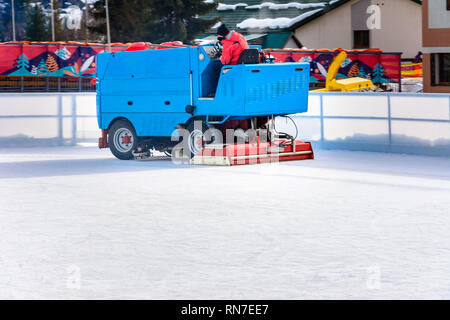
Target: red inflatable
{"points": [[171, 44], [139, 46]]}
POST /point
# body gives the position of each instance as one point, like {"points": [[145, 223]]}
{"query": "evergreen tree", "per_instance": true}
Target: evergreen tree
{"points": [[362, 73], [378, 74], [6, 33], [42, 68], [129, 20], [34, 70], [22, 62], [63, 53], [179, 19], [153, 20], [353, 72], [52, 65], [37, 24]]}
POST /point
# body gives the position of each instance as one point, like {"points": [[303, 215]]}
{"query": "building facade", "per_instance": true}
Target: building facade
{"points": [[390, 25], [436, 46]]}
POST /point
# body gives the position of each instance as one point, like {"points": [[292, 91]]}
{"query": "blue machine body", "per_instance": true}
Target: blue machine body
{"points": [[152, 88]]}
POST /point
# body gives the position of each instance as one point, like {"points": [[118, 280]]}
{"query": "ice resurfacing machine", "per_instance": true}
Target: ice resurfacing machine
{"points": [[183, 102]]}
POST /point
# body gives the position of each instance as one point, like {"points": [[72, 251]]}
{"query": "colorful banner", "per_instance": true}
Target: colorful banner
{"points": [[412, 70], [375, 65], [50, 60], [78, 60]]}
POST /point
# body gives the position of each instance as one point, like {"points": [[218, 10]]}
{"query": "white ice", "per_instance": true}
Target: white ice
{"points": [[77, 223]]}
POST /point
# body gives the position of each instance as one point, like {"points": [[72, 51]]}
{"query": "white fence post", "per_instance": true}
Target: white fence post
{"points": [[389, 121], [74, 120], [322, 136], [60, 121]]}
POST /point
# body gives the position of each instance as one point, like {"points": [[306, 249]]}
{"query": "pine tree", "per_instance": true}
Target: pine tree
{"points": [[353, 72], [6, 33], [153, 20], [34, 70], [378, 74], [129, 20], [42, 68], [63, 53], [22, 62], [37, 24], [362, 73], [51, 63], [179, 19]]}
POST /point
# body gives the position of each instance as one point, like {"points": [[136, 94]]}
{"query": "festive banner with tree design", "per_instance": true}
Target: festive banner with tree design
{"points": [[50, 60], [378, 66], [78, 60]]}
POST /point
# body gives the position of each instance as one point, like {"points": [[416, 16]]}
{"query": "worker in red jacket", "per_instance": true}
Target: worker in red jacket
{"points": [[233, 44]]}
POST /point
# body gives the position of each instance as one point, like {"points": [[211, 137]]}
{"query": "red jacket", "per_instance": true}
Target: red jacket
{"points": [[233, 45]]}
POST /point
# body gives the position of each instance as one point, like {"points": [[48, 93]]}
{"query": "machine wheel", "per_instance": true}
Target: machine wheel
{"points": [[122, 140], [197, 138]]}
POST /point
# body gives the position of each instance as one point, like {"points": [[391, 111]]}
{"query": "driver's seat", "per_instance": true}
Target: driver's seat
{"points": [[249, 56]]}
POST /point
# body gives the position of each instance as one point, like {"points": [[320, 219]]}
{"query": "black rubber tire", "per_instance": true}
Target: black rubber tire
{"points": [[117, 127]]}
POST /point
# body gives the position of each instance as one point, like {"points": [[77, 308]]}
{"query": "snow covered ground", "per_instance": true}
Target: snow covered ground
{"points": [[77, 223]]}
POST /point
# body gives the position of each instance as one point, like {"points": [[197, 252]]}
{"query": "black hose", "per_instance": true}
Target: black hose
{"points": [[288, 135]]}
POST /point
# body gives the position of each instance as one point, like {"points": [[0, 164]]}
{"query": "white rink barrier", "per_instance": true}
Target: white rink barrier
{"points": [[386, 122], [382, 122], [28, 119]]}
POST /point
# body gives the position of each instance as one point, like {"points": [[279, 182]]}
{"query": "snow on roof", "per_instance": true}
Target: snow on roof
{"points": [[284, 6], [223, 7], [276, 23], [213, 38], [269, 5]]}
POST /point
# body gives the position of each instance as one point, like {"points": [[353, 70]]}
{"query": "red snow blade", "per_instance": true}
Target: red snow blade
{"points": [[252, 153]]}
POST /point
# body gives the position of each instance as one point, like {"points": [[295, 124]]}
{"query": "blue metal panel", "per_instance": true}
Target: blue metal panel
{"points": [[278, 89], [149, 124], [230, 94], [149, 88], [258, 90], [168, 63], [99, 114]]}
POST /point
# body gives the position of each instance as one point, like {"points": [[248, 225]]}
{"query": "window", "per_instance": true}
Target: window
{"points": [[448, 4], [440, 69], [361, 39]]}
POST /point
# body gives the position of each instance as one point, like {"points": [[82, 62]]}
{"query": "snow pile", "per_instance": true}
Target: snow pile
{"points": [[275, 23], [285, 6], [224, 7]]}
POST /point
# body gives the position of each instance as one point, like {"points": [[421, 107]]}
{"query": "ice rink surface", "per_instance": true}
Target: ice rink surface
{"points": [[77, 223]]}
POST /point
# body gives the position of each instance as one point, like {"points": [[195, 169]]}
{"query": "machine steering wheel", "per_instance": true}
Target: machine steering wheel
{"points": [[217, 50]]}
